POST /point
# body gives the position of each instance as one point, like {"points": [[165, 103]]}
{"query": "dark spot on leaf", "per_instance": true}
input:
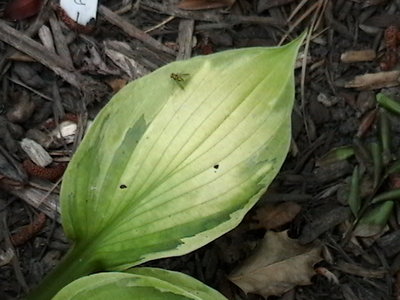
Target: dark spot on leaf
{"points": [[122, 186], [216, 167]]}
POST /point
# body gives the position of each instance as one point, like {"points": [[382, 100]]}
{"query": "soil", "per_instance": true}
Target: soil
{"points": [[339, 130]]}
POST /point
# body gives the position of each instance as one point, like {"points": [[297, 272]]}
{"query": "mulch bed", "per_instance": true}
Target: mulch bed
{"points": [[53, 72]]}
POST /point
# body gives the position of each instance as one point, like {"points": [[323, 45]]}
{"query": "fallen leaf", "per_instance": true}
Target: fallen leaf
{"points": [[271, 216], [277, 266], [204, 4]]}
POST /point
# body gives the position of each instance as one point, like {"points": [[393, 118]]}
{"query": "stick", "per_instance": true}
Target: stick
{"points": [[133, 31]]}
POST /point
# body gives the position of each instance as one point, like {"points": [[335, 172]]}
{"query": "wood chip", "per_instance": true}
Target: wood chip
{"points": [[46, 38], [131, 30], [373, 81], [42, 200], [185, 38], [358, 56], [36, 152], [322, 222], [60, 41], [390, 243]]}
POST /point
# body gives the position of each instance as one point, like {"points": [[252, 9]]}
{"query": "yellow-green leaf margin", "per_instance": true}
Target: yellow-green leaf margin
{"points": [[138, 283]]}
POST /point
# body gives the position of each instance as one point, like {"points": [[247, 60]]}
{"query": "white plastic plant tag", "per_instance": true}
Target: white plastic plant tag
{"points": [[81, 11]]}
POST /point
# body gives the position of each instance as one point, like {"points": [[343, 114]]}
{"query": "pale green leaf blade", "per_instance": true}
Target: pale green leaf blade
{"points": [[138, 284], [166, 168]]}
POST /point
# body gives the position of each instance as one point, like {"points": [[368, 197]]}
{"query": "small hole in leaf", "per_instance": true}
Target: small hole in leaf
{"points": [[216, 167], [122, 186]]}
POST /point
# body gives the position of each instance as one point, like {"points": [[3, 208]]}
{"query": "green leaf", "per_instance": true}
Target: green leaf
{"points": [[354, 195], [166, 168], [374, 220], [389, 103], [390, 195], [335, 155], [140, 283]]}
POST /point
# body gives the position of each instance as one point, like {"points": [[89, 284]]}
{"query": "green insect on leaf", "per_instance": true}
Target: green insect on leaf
{"points": [[180, 79]]}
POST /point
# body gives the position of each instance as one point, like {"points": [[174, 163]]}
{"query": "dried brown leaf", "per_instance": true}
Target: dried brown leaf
{"points": [[271, 216], [277, 266], [204, 4]]}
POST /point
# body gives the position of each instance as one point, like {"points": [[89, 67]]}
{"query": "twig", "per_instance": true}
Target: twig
{"points": [[17, 81], [319, 9], [167, 20], [133, 31], [208, 17], [297, 9], [312, 9]]}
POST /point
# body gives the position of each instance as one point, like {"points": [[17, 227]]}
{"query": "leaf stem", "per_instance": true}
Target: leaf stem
{"points": [[76, 263]]}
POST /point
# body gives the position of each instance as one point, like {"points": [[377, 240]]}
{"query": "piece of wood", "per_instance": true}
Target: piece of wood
{"points": [[373, 81], [390, 243], [32, 29], [42, 200], [211, 16], [46, 38], [60, 41], [25, 44], [91, 88], [185, 39], [132, 30], [358, 56]]}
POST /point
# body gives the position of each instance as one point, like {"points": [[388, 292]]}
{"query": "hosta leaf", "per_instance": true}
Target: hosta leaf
{"points": [[175, 160], [179, 156], [135, 284]]}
